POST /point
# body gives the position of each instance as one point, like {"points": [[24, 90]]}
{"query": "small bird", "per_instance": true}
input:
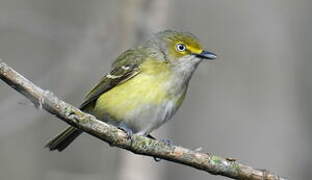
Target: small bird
{"points": [[145, 87]]}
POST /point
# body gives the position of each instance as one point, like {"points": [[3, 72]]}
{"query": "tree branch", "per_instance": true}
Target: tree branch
{"points": [[137, 144]]}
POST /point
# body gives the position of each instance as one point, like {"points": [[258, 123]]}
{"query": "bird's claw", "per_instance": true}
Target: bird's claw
{"points": [[166, 141], [127, 130]]}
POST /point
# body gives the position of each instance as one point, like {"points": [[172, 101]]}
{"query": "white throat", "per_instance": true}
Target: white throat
{"points": [[185, 67], [183, 70]]}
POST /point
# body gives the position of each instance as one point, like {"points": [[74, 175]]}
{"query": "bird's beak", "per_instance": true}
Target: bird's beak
{"points": [[206, 55]]}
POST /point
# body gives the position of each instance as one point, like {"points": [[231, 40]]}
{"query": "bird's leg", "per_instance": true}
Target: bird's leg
{"points": [[126, 129]]}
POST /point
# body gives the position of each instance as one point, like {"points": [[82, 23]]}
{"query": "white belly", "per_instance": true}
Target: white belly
{"points": [[149, 117]]}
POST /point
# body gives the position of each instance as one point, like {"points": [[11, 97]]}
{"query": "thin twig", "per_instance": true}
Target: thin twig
{"points": [[137, 144]]}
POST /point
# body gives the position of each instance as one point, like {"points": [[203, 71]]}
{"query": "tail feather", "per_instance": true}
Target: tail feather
{"points": [[62, 140]]}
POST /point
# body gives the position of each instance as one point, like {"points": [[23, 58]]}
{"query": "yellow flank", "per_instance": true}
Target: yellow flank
{"points": [[146, 88]]}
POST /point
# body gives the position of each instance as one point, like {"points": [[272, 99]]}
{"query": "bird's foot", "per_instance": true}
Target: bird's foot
{"points": [[126, 129], [166, 141]]}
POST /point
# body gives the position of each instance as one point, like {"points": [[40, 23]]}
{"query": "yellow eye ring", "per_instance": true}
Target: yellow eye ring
{"points": [[180, 47]]}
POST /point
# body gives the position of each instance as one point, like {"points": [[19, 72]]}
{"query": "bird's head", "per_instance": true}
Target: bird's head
{"points": [[178, 47]]}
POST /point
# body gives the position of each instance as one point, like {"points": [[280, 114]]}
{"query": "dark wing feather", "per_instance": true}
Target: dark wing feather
{"points": [[125, 67]]}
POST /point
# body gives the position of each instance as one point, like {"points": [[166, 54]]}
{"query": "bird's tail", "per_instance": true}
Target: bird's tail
{"points": [[62, 140]]}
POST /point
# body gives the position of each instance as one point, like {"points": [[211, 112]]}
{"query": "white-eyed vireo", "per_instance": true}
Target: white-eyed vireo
{"points": [[145, 87]]}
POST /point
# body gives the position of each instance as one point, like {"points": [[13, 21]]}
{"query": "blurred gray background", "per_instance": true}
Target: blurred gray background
{"points": [[253, 103]]}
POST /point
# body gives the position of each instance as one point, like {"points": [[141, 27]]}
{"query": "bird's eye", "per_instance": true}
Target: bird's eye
{"points": [[180, 47]]}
